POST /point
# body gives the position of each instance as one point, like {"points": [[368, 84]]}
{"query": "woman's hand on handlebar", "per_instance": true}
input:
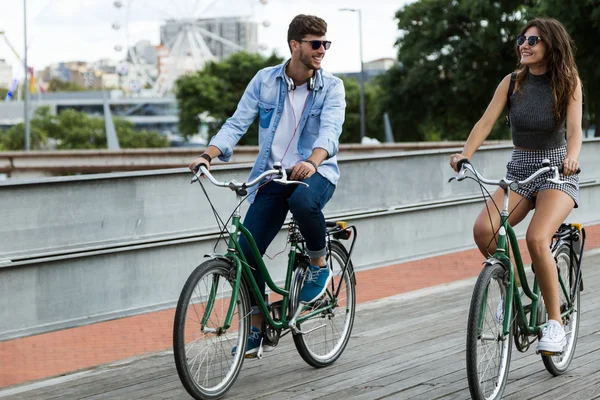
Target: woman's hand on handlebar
{"points": [[570, 166], [454, 159]]}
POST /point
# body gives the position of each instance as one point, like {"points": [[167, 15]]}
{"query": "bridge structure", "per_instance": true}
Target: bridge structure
{"points": [[91, 267]]}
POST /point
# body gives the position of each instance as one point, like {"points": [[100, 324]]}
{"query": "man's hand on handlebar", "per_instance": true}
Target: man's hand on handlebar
{"points": [[302, 171]]}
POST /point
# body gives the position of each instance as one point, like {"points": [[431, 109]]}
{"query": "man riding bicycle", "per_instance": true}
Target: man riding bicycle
{"points": [[301, 110]]}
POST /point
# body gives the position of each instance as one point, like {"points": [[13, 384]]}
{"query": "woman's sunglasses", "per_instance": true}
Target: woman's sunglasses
{"points": [[531, 40], [316, 44]]}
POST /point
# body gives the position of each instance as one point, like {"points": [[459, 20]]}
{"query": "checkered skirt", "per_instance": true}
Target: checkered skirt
{"points": [[524, 163]]}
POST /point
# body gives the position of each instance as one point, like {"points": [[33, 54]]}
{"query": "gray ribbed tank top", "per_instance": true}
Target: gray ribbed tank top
{"points": [[532, 121]]}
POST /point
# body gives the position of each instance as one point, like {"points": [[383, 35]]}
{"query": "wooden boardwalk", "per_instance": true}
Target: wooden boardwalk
{"points": [[410, 346]]}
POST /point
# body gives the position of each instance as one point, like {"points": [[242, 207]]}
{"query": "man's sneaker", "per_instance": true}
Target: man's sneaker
{"points": [[254, 340], [553, 338], [315, 283]]}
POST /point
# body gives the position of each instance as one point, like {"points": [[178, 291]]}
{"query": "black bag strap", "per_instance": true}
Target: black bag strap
{"points": [[511, 89]]}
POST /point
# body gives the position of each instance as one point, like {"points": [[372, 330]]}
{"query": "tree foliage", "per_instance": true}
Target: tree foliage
{"points": [[373, 113], [581, 18], [57, 85], [216, 91], [453, 53], [452, 56], [76, 130]]}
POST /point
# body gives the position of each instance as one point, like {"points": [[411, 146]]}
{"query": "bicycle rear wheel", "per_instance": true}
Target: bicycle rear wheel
{"points": [[558, 365], [203, 352], [488, 349], [326, 334]]}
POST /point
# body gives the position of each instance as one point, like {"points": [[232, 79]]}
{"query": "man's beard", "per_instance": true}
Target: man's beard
{"points": [[307, 60]]}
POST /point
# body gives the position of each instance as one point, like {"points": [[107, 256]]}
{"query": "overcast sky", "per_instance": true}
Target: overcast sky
{"points": [[66, 30]]}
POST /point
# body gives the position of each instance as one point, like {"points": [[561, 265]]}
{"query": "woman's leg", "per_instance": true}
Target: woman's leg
{"points": [[552, 208], [485, 231]]}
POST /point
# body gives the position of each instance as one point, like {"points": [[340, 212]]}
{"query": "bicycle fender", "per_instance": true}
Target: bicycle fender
{"points": [[217, 256]]}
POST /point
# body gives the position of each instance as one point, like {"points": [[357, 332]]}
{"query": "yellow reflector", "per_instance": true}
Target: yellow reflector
{"points": [[342, 224], [577, 225]]}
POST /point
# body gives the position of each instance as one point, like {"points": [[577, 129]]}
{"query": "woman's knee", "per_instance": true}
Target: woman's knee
{"points": [[482, 233], [537, 242]]}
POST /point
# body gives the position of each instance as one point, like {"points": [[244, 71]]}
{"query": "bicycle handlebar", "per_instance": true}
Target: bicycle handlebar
{"points": [[234, 185], [464, 165]]}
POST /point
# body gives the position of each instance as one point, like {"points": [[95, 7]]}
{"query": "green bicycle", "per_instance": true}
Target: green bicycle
{"points": [[490, 338], [213, 312]]}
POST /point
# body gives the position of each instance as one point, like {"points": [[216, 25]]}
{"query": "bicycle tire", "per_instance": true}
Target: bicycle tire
{"points": [[184, 342], [309, 345], [479, 383], [558, 365]]}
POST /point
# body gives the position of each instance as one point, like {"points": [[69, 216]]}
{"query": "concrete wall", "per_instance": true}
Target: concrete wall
{"points": [[76, 250]]}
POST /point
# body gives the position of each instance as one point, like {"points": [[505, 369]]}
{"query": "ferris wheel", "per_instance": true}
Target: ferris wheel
{"points": [[161, 40]]}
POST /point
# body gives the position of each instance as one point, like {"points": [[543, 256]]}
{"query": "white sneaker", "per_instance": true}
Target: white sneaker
{"points": [[499, 316], [553, 338]]}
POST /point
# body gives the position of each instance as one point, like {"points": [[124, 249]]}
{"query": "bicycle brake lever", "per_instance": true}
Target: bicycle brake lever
{"points": [[281, 181], [557, 181], [284, 181], [460, 175]]}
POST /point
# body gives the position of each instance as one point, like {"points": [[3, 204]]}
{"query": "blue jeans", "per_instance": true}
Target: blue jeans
{"points": [[267, 213]]}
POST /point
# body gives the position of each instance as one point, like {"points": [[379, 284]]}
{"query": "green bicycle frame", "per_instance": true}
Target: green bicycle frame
{"points": [[235, 253], [502, 255]]}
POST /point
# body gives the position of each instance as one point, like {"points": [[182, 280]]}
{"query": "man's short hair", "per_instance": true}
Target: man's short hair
{"points": [[303, 25]]}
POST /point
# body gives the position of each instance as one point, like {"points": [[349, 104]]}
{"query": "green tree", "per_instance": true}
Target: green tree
{"points": [[582, 20], [129, 137], [56, 85], [217, 89], [373, 114], [76, 130], [452, 55]]}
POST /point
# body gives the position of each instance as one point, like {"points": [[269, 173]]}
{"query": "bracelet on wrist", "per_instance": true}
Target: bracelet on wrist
{"points": [[206, 157], [313, 164]]}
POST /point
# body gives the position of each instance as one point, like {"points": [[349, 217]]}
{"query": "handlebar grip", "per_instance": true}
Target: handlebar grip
{"points": [[560, 169], [460, 163], [197, 167]]}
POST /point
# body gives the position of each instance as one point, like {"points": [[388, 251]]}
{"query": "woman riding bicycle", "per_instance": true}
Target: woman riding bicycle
{"points": [[545, 118]]}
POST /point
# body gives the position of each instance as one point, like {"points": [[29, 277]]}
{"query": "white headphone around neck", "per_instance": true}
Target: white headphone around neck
{"points": [[310, 84]]}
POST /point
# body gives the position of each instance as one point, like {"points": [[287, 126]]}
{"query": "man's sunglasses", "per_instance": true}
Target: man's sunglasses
{"points": [[316, 44], [531, 40]]}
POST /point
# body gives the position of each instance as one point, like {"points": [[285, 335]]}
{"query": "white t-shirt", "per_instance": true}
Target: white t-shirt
{"points": [[285, 143]]}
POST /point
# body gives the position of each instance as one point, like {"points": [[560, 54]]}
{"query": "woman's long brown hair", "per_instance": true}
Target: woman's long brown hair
{"points": [[560, 61]]}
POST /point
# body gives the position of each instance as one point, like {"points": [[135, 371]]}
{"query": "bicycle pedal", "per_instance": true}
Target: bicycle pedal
{"points": [[549, 353]]}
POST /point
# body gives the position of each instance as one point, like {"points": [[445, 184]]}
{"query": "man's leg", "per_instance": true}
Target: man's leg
{"points": [[264, 220], [306, 204]]}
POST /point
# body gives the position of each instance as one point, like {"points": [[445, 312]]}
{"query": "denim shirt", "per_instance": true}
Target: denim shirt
{"points": [[320, 124]]}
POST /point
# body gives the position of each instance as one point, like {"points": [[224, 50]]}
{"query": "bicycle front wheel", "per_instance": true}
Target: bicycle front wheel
{"points": [[488, 349], [206, 363], [558, 365], [325, 335]]}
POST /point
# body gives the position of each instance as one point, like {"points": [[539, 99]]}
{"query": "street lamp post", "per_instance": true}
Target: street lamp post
{"points": [[26, 86], [362, 72]]}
